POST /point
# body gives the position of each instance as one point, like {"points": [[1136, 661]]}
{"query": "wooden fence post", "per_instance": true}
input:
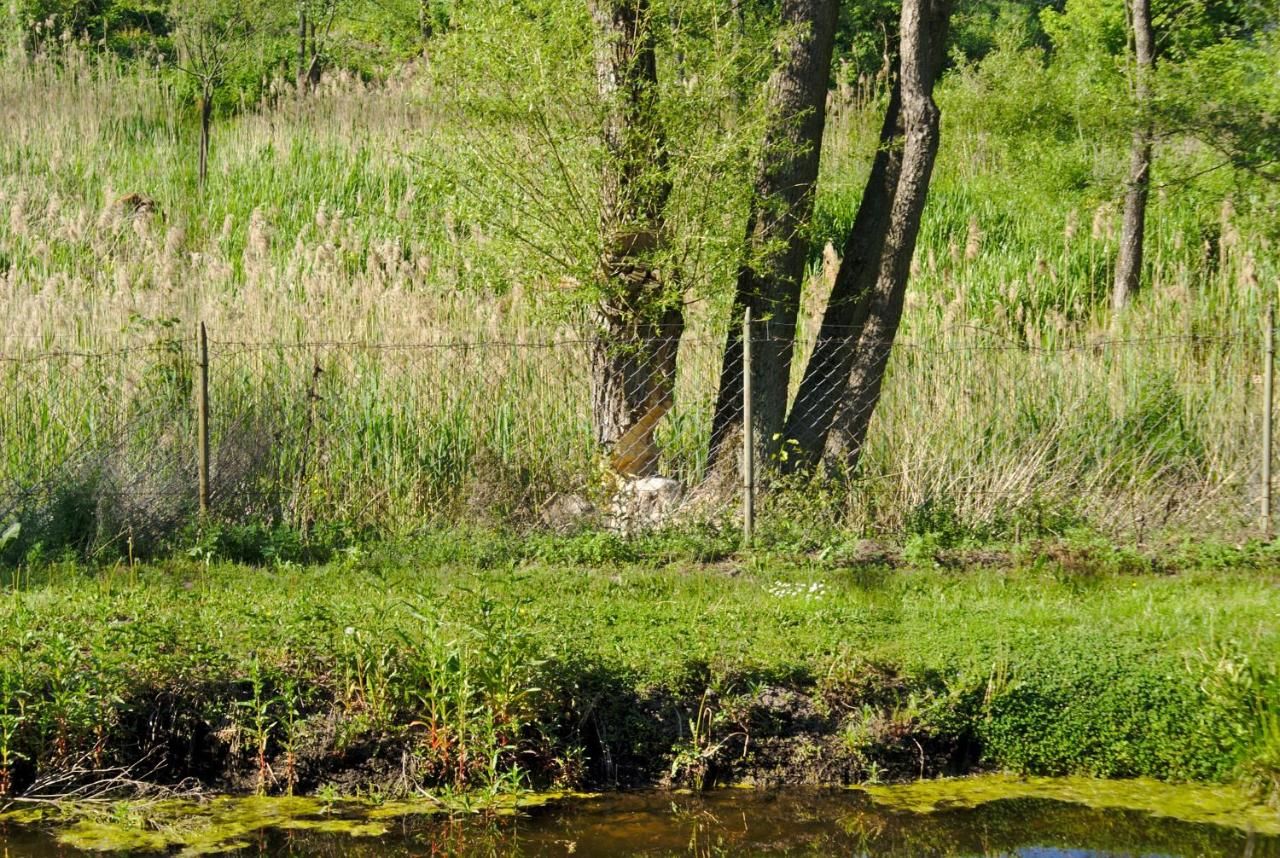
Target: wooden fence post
{"points": [[748, 440], [1268, 397], [202, 420]]}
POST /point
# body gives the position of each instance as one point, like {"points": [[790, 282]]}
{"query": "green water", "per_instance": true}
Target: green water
{"points": [[731, 822]]}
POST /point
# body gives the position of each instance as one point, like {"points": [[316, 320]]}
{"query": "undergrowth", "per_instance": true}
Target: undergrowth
{"points": [[484, 665]]}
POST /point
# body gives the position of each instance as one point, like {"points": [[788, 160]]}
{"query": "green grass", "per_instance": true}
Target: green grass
{"points": [[496, 671]]}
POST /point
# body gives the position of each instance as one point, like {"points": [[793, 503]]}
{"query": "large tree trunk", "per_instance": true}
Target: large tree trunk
{"points": [[841, 384], [923, 49], [826, 376], [640, 314], [1129, 262], [777, 230]]}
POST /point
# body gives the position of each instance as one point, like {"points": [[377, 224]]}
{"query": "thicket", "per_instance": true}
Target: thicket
{"points": [[425, 193]]}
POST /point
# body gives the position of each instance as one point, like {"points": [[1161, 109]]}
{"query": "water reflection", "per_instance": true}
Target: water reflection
{"points": [[743, 823]]}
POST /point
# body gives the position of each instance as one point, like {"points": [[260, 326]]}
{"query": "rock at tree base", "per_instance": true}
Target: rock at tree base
{"points": [[644, 503]]}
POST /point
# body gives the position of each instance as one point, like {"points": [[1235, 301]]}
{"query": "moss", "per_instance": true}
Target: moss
{"points": [[24, 816], [92, 835], [204, 828], [350, 827], [1224, 806]]}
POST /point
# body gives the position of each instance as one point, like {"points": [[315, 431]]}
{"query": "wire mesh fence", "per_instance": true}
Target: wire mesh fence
{"points": [[100, 451]]}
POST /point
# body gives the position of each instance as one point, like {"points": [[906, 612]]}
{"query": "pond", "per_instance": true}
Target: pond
{"points": [[925, 821]]}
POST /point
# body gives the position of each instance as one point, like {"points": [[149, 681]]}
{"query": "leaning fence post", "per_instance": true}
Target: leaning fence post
{"points": [[202, 420], [1268, 397], [748, 447]]}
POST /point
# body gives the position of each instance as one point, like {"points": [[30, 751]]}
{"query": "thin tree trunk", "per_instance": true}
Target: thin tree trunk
{"points": [[777, 229], [826, 375], [640, 316], [923, 48], [1129, 262], [302, 47], [206, 118], [315, 68]]}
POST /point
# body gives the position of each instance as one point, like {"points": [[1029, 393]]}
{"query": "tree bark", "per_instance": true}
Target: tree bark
{"points": [[840, 386], [640, 317], [923, 49], [1129, 261], [315, 68], [777, 229], [826, 375]]}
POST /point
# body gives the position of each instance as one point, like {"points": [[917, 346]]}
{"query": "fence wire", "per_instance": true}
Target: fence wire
{"points": [[99, 450]]}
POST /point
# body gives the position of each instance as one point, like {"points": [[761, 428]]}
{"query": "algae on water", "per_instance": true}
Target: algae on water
{"points": [[1225, 806], [223, 824], [219, 825]]}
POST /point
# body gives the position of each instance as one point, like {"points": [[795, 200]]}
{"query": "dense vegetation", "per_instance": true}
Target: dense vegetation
{"points": [[395, 251], [463, 665], [433, 191]]}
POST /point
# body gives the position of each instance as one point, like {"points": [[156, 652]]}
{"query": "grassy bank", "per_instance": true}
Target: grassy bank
{"points": [[471, 665]]}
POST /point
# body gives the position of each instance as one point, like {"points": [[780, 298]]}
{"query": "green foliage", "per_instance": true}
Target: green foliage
{"points": [[525, 119], [131, 29], [1226, 95], [470, 182], [260, 543], [489, 680]]}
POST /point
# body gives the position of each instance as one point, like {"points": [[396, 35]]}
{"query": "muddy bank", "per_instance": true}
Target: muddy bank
{"points": [[591, 733]]}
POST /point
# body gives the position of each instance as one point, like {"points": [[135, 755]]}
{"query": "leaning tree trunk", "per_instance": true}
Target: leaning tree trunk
{"points": [[777, 230], [827, 373], [640, 315], [1129, 262], [924, 28]]}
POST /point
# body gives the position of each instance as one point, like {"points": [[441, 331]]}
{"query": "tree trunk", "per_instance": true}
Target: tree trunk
{"points": [[315, 67], [777, 230], [827, 373], [206, 117], [1129, 261], [923, 49], [841, 382], [835, 392], [302, 47], [640, 316]]}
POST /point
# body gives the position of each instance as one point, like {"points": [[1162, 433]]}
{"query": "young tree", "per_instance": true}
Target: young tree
{"points": [[842, 383], [639, 314], [315, 23], [778, 225], [209, 35], [1129, 262]]}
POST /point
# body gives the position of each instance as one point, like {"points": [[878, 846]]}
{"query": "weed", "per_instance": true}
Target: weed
{"points": [[489, 679]]}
